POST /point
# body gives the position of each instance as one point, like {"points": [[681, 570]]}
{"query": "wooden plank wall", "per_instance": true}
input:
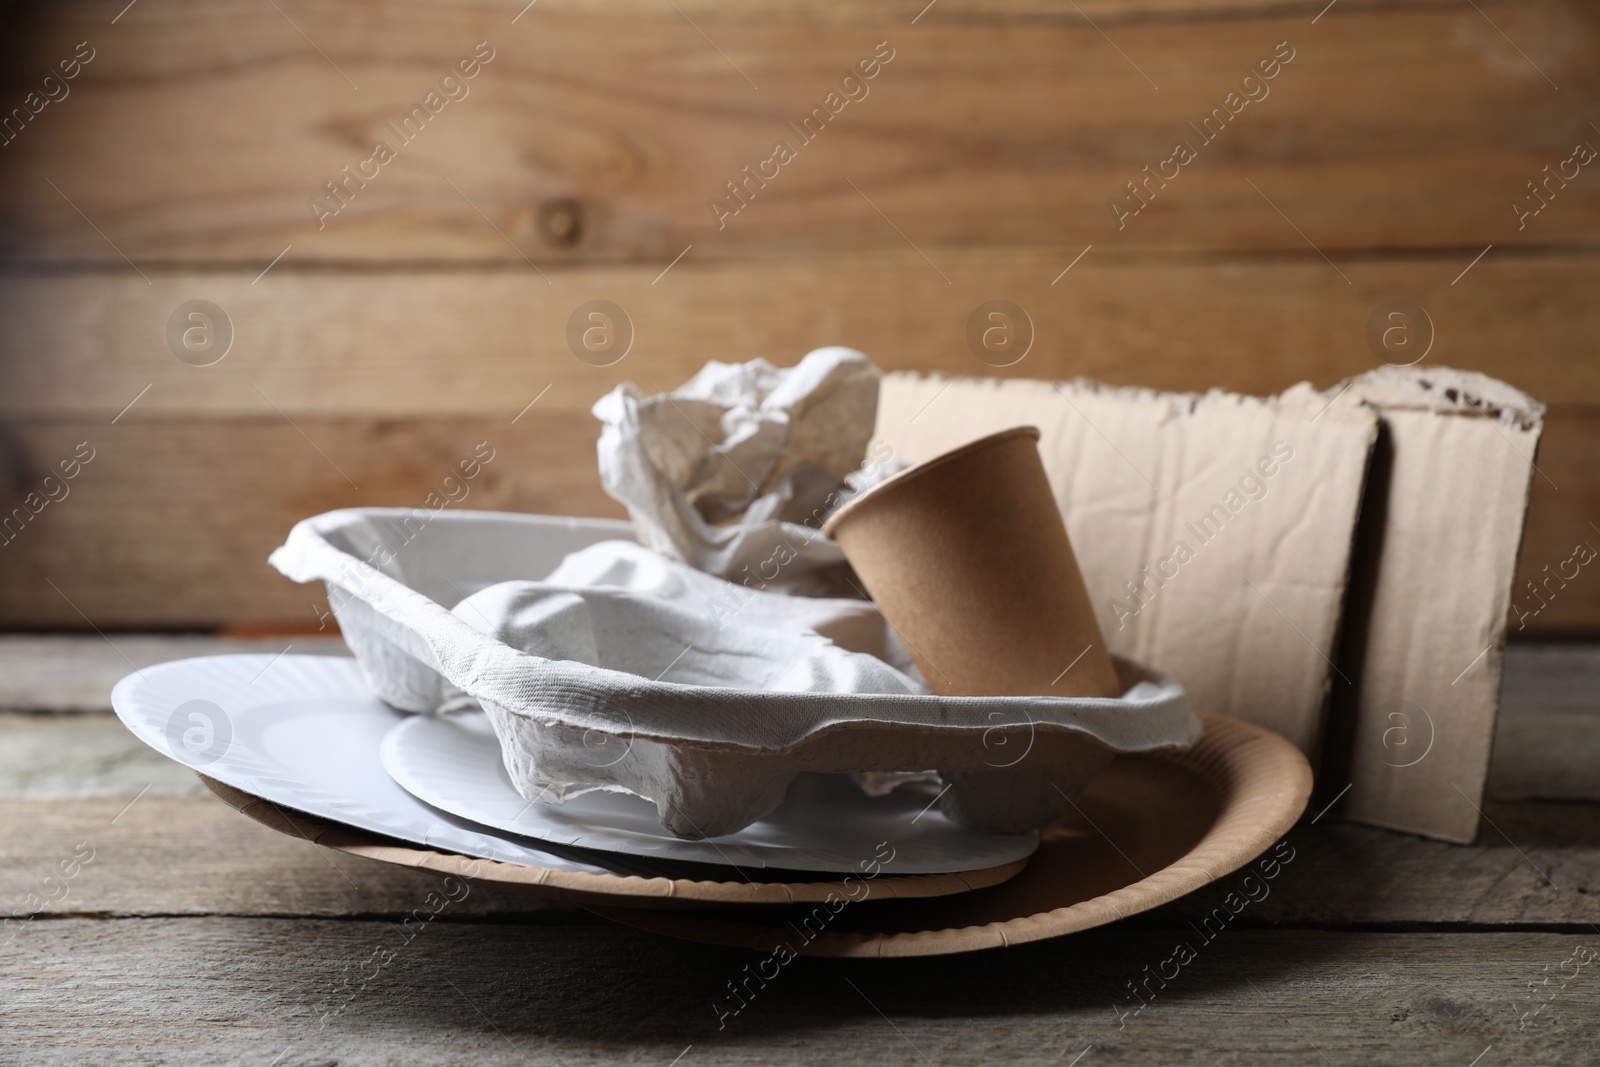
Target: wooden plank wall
{"points": [[373, 348]]}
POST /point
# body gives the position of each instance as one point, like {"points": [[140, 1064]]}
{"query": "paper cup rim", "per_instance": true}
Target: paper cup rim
{"points": [[831, 525]]}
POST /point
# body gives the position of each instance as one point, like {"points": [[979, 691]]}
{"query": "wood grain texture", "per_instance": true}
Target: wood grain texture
{"points": [[49, 675], [1549, 726], [982, 161], [1563, 530], [193, 855], [246, 990], [171, 523], [84, 756], [437, 343], [173, 520], [201, 130], [1537, 866]]}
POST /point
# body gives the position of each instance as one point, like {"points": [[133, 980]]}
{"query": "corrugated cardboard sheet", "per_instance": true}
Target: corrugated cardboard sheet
{"points": [[1430, 598]]}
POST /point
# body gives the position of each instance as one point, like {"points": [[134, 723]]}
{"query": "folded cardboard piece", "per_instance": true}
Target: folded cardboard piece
{"points": [[1430, 600], [1214, 531], [1219, 537]]}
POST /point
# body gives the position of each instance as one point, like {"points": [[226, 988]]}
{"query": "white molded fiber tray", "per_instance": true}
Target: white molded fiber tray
{"points": [[711, 759]]}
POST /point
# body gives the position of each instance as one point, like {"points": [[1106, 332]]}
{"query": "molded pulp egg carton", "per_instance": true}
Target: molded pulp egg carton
{"points": [[712, 759]]}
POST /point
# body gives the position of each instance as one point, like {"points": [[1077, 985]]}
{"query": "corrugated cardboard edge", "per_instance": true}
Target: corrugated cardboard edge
{"points": [[1262, 782], [575, 887], [1411, 737]]}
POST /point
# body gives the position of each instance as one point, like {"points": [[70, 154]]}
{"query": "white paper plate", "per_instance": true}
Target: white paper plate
{"points": [[301, 731], [826, 824]]}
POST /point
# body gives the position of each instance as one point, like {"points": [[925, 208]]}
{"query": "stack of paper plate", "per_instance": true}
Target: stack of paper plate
{"points": [[300, 744]]}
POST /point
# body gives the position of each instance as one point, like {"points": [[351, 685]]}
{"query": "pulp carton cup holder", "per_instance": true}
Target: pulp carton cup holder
{"points": [[712, 760]]}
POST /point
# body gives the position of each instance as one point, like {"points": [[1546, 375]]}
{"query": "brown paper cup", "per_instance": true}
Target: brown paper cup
{"points": [[967, 557]]}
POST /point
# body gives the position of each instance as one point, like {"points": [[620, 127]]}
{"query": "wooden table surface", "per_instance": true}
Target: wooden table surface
{"points": [[187, 934]]}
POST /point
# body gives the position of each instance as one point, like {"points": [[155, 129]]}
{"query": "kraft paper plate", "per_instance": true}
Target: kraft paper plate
{"points": [[1148, 830], [575, 887]]}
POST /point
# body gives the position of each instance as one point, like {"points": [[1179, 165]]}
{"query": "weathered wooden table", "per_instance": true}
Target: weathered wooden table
{"points": [[187, 934]]}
